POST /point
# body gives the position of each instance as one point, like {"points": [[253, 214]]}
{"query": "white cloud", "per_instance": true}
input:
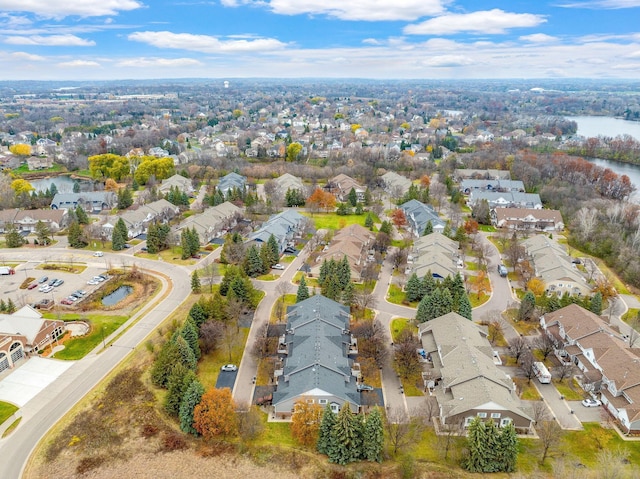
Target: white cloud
{"points": [[538, 38], [79, 64], [364, 10], [372, 41], [603, 4], [50, 41], [627, 66], [144, 62], [494, 21], [205, 43], [27, 56], [448, 61], [635, 54], [65, 8]]}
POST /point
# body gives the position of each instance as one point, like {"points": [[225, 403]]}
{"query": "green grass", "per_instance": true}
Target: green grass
{"points": [[582, 444], [12, 427], [6, 411], [172, 256], [276, 433], [523, 327], [310, 281], [630, 314], [471, 266], [486, 228], [395, 294], [268, 277], [209, 365], [570, 391], [477, 300], [334, 221], [289, 300], [398, 325], [101, 327], [409, 385], [75, 268], [22, 169], [528, 391]]}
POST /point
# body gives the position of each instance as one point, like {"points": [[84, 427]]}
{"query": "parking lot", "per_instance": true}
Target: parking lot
{"points": [[45, 288]]}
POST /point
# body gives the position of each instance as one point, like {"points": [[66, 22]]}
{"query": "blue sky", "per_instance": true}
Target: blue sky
{"points": [[425, 39]]}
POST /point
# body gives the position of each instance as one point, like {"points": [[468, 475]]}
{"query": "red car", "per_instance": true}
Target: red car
{"points": [[32, 286], [66, 301]]}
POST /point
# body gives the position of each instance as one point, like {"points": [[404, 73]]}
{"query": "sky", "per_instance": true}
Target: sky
{"points": [[377, 39]]}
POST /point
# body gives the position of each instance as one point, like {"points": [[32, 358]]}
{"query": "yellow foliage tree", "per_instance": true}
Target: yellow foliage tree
{"points": [[355, 127], [216, 414], [536, 286], [21, 186], [20, 149], [305, 422], [111, 185]]}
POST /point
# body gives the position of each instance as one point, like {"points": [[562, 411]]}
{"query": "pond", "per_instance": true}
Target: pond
{"points": [[117, 296]]}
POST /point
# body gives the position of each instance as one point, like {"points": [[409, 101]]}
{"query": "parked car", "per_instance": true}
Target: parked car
{"points": [[53, 281], [98, 254], [590, 402], [44, 279], [32, 286], [79, 293], [502, 270], [277, 266], [59, 282], [364, 387], [46, 289], [229, 368], [92, 282], [66, 301]]}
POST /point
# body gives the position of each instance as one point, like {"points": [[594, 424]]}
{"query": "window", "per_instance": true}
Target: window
{"points": [[310, 401], [322, 401], [467, 421], [482, 415], [505, 422], [335, 407], [495, 415]]}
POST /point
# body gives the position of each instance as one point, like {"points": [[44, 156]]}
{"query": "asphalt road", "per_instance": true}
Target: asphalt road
{"points": [[41, 413]]}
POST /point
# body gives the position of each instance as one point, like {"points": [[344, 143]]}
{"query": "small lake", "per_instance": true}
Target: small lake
{"points": [[64, 184], [117, 296], [593, 126]]}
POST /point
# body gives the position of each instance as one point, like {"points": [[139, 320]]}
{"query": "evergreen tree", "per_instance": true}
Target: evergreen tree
{"points": [[125, 198], [458, 290], [424, 308], [303, 290], [447, 230], [343, 209], [413, 288], [374, 436], [177, 383], [386, 227], [53, 190], [324, 272], [253, 265], [464, 307], [153, 239], [353, 197], [198, 314], [265, 257], [527, 306], [479, 454], [274, 250], [428, 284], [359, 210], [81, 215], [507, 448], [43, 233], [11, 307], [343, 448], [428, 228], [326, 428], [189, 332], [595, 305], [195, 282], [368, 221], [187, 355], [76, 187], [553, 303], [12, 237], [76, 236], [348, 294], [3, 306], [190, 400], [344, 272], [167, 357], [119, 236]]}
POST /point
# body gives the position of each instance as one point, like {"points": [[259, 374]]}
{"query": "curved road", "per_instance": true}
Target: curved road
{"points": [[42, 412]]}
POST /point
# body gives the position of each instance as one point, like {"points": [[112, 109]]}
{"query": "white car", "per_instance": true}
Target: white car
{"points": [[277, 266], [229, 368], [591, 402], [98, 254]]}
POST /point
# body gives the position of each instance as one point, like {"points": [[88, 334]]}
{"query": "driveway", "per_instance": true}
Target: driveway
{"points": [[29, 379], [226, 379], [563, 411]]}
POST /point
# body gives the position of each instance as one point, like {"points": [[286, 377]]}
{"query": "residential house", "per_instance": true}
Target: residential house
{"points": [[469, 185], [25, 332], [395, 185], [464, 173], [462, 372], [418, 215], [213, 222], [232, 181], [285, 227], [607, 363], [555, 267], [506, 199], [527, 219], [138, 220], [92, 202], [355, 242], [341, 185], [435, 254], [26, 220], [183, 184], [39, 163], [288, 182], [317, 367]]}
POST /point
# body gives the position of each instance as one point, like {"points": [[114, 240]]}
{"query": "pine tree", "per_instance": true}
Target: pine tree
{"points": [[344, 272], [324, 272], [303, 290], [76, 187], [527, 306], [464, 308], [253, 265], [195, 282], [274, 249], [424, 307], [374, 436], [187, 355], [119, 236], [190, 400], [428, 228], [125, 198], [326, 427], [81, 215], [198, 314], [179, 379], [353, 197], [457, 290], [43, 233], [428, 284], [3, 306], [76, 236], [167, 357], [12, 237], [368, 221], [343, 448], [189, 332], [153, 239], [478, 446], [348, 294], [11, 307], [413, 288], [507, 448], [595, 305]]}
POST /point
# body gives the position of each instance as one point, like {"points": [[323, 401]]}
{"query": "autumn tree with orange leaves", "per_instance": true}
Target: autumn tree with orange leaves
{"points": [[305, 422], [321, 199], [215, 416], [399, 218]]}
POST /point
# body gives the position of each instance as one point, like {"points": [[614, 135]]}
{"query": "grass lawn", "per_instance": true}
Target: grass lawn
{"points": [[276, 433], [570, 390], [398, 325], [268, 277], [486, 228], [586, 444], [101, 327], [289, 299], [523, 327], [6, 410], [471, 266], [172, 255], [395, 295], [335, 222], [527, 390], [630, 314], [477, 300], [75, 268], [22, 169], [209, 365], [310, 281], [409, 385]]}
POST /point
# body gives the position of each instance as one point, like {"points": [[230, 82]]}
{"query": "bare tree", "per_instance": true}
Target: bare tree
{"points": [[545, 345], [364, 299], [260, 348], [494, 331], [634, 331], [550, 435], [586, 219], [526, 365], [402, 430], [449, 435], [613, 463], [372, 341], [406, 358], [517, 347], [235, 308], [514, 251], [540, 412], [563, 371], [211, 334]]}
